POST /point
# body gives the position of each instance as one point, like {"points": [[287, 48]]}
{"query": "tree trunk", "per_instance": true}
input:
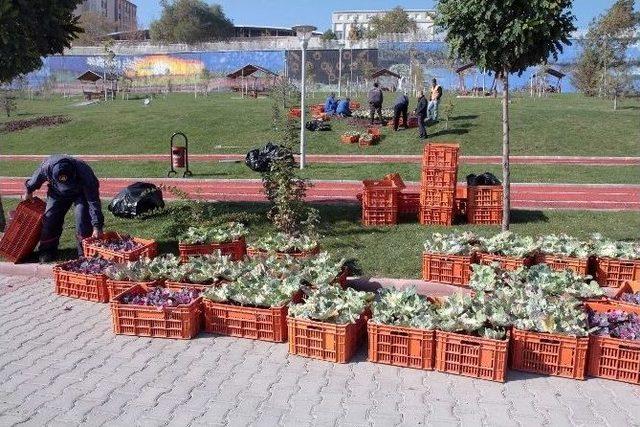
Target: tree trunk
{"points": [[615, 101], [2, 220], [506, 173]]}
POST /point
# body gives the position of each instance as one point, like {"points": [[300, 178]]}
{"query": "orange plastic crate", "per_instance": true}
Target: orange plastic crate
{"points": [[506, 262], [486, 216], [349, 139], [236, 250], [178, 286], [627, 288], [484, 196], [449, 269], [435, 216], [116, 287], [149, 249], [254, 252], [471, 356], [23, 232], [441, 155], [266, 324], [549, 354], [614, 272], [409, 203], [439, 178], [374, 217], [181, 322], [581, 266], [89, 287], [295, 113], [381, 193], [432, 197], [325, 341], [613, 358], [401, 346]]}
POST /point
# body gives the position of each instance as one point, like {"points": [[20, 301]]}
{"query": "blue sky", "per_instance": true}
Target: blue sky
{"points": [[286, 13]]}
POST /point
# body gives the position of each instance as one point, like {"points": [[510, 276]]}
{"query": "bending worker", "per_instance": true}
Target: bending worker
{"points": [[400, 108], [70, 182], [344, 108], [330, 104]]}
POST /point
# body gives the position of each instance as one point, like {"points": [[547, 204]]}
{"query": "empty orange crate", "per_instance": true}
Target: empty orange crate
{"points": [[116, 287], [380, 194], [484, 196], [409, 203], [614, 272], [373, 217], [581, 266], [486, 216], [23, 232], [613, 358], [506, 262], [401, 346], [266, 324], [471, 356], [431, 197], [550, 354], [627, 288], [236, 250], [441, 156], [435, 216], [449, 269], [88, 287], [325, 341], [149, 249], [437, 177], [182, 322]]}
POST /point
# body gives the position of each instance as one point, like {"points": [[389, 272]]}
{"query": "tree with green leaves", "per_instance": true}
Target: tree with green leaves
{"points": [[506, 36], [397, 20], [603, 67], [31, 30], [328, 35], [190, 21]]}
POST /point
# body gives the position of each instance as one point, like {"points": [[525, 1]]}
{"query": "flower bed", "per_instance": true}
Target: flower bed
{"points": [[129, 317], [82, 279], [119, 247]]}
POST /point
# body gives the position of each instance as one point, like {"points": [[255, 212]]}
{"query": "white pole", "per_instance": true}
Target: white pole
{"points": [[302, 106], [340, 72]]}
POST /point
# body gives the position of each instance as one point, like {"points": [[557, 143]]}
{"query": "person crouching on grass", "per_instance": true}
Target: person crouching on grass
{"points": [[70, 182]]}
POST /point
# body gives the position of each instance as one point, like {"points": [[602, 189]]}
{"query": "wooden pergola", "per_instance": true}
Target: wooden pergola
{"points": [[257, 73], [386, 73], [538, 83], [90, 79]]}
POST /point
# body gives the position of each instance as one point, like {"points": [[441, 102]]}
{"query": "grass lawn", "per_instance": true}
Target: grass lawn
{"points": [[398, 256], [222, 123], [410, 172]]}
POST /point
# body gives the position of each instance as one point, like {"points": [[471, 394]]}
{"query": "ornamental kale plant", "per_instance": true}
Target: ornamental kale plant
{"points": [[209, 269], [321, 270], [551, 282], [146, 270], [225, 233], [563, 245], [92, 266], [613, 249], [633, 298], [478, 315], [333, 305], [509, 244], [161, 297], [487, 278], [404, 308], [453, 244], [617, 324], [286, 243]]}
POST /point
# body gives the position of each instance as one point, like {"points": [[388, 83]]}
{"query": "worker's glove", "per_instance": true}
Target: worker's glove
{"points": [[97, 233]]}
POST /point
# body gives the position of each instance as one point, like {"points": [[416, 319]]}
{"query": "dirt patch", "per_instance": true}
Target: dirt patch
{"points": [[44, 121]]}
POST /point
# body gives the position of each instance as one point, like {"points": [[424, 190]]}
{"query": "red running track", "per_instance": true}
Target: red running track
{"points": [[612, 197], [360, 159]]}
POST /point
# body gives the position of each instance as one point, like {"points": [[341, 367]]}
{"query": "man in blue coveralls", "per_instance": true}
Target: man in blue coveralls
{"points": [[344, 108], [330, 105], [70, 182]]}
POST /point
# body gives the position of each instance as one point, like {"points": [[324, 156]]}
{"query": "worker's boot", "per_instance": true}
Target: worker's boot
{"points": [[47, 257]]}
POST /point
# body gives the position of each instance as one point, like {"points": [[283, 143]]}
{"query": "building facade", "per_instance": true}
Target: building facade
{"points": [[343, 21], [121, 12]]}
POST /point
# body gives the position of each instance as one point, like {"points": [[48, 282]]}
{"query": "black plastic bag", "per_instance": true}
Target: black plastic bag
{"points": [[486, 178], [317, 125], [136, 199], [259, 160]]}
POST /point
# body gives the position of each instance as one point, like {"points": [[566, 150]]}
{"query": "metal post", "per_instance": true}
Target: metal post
{"points": [[304, 45], [340, 72]]}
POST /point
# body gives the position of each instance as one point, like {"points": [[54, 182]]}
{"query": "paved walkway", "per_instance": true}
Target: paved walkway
{"points": [[61, 365], [363, 158], [614, 197]]}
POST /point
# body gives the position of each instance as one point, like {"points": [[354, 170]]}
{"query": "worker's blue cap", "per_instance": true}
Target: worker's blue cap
{"points": [[64, 172]]}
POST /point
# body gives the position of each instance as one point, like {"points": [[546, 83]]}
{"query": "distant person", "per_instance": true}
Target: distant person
{"points": [[343, 109], [421, 112], [331, 104], [400, 108], [70, 182], [434, 100], [375, 102]]}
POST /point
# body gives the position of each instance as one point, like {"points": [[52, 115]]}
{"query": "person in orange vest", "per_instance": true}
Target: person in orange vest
{"points": [[434, 100]]}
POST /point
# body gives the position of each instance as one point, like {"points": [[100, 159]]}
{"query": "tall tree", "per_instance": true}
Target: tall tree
{"points": [[397, 20], [95, 26], [30, 30], [190, 21], [329, 35], [506, 36]]}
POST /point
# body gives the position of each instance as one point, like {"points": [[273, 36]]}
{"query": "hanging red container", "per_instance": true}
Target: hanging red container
{"points": [[178, 157]]}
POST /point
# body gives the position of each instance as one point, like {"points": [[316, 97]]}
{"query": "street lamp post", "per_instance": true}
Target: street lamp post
{"points": [[340, 47], [304, 33]]}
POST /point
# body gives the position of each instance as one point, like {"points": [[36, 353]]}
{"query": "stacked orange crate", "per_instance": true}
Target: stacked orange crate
{"points": [[484, 204], [380, 201], [438, 189]]}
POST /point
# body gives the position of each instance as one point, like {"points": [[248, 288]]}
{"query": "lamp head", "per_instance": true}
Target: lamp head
{"points": [[304, 32]]}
